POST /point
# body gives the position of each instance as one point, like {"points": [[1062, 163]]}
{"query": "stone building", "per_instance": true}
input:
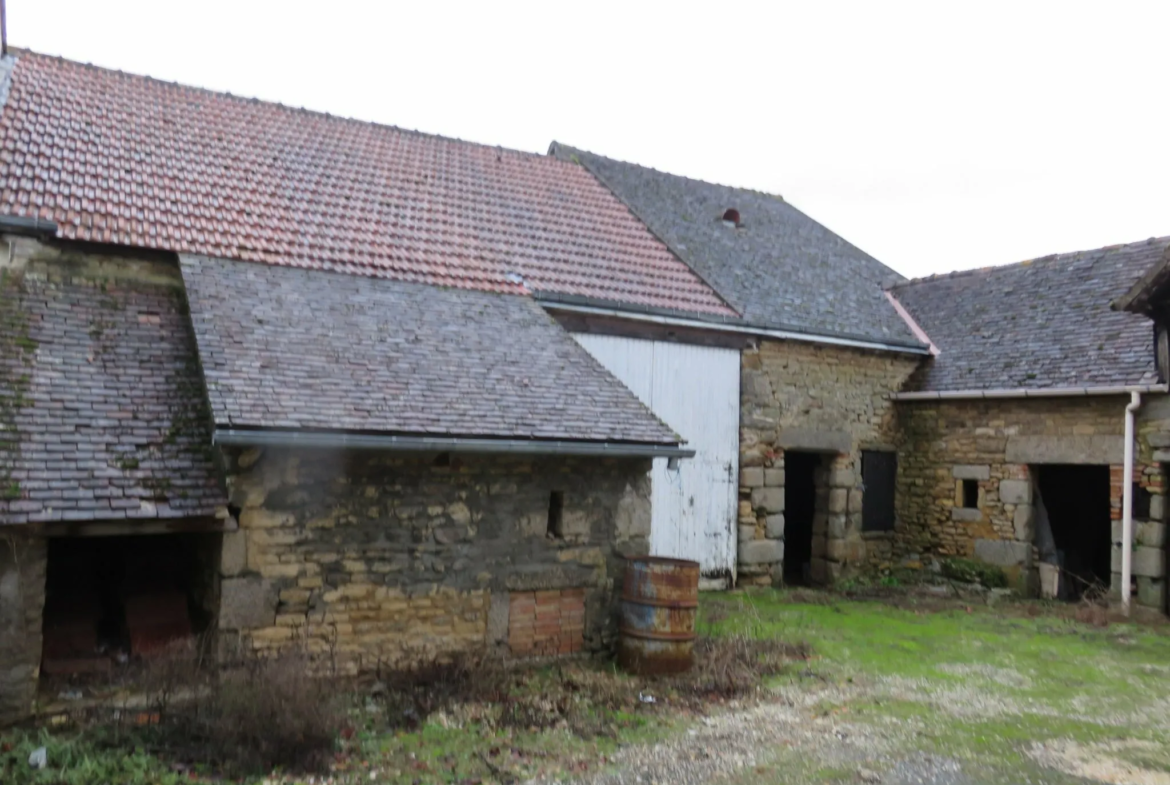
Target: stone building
{"points": [[291, 379], [819, 350], [279, 378], [1013, 435], [886, 421]]}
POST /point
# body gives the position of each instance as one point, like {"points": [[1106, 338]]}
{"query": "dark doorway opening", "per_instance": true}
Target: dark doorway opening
{"points": [[109, 599], [1076, 499], [800, 508]]}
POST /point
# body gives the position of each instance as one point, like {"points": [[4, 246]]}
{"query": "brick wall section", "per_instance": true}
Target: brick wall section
{"points": [[805, 396], [375, 558], [944, 443], [546, 623], [22, 599]]}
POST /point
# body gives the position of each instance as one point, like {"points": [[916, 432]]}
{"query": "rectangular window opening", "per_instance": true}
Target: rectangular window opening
{"points": [[879, 473], [971, 494], [1141, 502], [556, 515]]}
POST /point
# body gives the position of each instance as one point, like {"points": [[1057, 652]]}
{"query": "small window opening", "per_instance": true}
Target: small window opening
{"points": [[971, 494], [879, 474], [731, 217], [443, 460], [1141, 502], [556, 515]]}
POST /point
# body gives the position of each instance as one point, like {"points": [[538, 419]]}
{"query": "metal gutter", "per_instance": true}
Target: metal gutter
{"points": [[1049, 392], [739, 329], [18, 224], [230, 437]]}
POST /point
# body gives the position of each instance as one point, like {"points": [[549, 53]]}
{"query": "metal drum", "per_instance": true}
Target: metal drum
{"points": [[660, 598]]}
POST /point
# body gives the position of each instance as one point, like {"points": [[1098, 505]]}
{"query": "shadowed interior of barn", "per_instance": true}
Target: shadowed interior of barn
{"points": [[1077, 501]]}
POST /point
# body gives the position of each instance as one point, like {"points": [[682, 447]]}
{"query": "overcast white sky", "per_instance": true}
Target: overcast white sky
{"points": [[936, 136]]}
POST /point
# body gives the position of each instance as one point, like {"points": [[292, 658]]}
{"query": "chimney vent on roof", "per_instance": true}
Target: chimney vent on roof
{"points": [[731, 217]]}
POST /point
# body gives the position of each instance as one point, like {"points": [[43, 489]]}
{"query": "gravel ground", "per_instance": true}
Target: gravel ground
{"points": [[791, 739]]}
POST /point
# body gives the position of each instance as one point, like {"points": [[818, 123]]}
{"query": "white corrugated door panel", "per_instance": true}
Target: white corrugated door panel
{"points": [[695, 390], [630, 360]]}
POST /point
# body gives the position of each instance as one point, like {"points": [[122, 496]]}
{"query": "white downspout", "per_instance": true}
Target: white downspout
{"points": [[1135, 401]]}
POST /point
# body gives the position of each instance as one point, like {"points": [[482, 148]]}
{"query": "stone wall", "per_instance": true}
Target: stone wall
{"points": [[825, 399], [993, 444], [22, 599], [373, 558]]}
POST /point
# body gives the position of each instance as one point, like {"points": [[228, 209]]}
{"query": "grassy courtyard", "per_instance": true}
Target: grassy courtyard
{"points": [[995, 693], [900, 691]]}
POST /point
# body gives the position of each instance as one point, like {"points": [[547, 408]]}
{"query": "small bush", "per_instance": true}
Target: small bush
{"points": [[736, 665], [269, 712], [971, 571], [414, 692]]}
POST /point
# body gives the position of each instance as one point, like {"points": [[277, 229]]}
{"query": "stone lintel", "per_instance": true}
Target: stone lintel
{"points": [[813, 440], [1097, 450], [971, 472]]}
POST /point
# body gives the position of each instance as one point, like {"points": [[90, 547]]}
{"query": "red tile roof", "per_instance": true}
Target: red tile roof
{"points": [[118, 158]]}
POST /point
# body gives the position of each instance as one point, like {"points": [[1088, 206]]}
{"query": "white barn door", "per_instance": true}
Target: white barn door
{"points": [[695, 390]]}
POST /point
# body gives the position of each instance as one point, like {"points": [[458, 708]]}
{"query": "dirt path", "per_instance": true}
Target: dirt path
{"points": [[744, 744], [794, 738]]}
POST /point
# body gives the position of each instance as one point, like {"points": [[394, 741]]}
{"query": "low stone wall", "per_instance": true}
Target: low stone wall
{"points": [[993, 444], [375, 558], [22, 598], [824, 399]]}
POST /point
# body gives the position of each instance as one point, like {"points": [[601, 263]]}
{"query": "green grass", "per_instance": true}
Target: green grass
{"points": [[83, 759], [980, 684]]}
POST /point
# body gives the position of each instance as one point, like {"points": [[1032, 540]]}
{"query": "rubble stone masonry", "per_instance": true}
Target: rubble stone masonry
{"points": [[824, 399], [997, 444], [22, 598], [377, 558]]}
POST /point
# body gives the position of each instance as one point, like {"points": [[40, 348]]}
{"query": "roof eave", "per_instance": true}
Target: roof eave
{"points": [[1153, 285], [264, 437], [722, 324], [1024, 392]]}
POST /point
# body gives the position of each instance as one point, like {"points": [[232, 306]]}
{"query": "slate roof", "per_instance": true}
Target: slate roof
{"points": [[1041, 324], [779, 269], [117, 158], [106, 403], [1148, 294], [306, 349]]}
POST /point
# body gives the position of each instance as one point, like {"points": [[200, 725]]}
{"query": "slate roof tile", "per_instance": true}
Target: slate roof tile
{"points": [[117, 158], [289, 348], [1039, 324], [112, 424], [779, 269]]}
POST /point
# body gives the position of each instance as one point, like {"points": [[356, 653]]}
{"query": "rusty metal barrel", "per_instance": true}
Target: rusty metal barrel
{"points": [[660, 599]]}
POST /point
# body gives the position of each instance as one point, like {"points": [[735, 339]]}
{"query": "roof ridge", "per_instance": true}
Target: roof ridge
{"points": [[18, 52], [1046, 259], [571, 149]]}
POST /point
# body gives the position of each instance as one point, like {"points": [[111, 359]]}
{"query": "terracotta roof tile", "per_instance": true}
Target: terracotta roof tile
{"points": [[117, 158]]}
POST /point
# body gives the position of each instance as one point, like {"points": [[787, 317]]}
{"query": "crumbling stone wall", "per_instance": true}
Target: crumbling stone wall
{"points": [[996, 444], [374, 558], [22, 599], [826, 399]]}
